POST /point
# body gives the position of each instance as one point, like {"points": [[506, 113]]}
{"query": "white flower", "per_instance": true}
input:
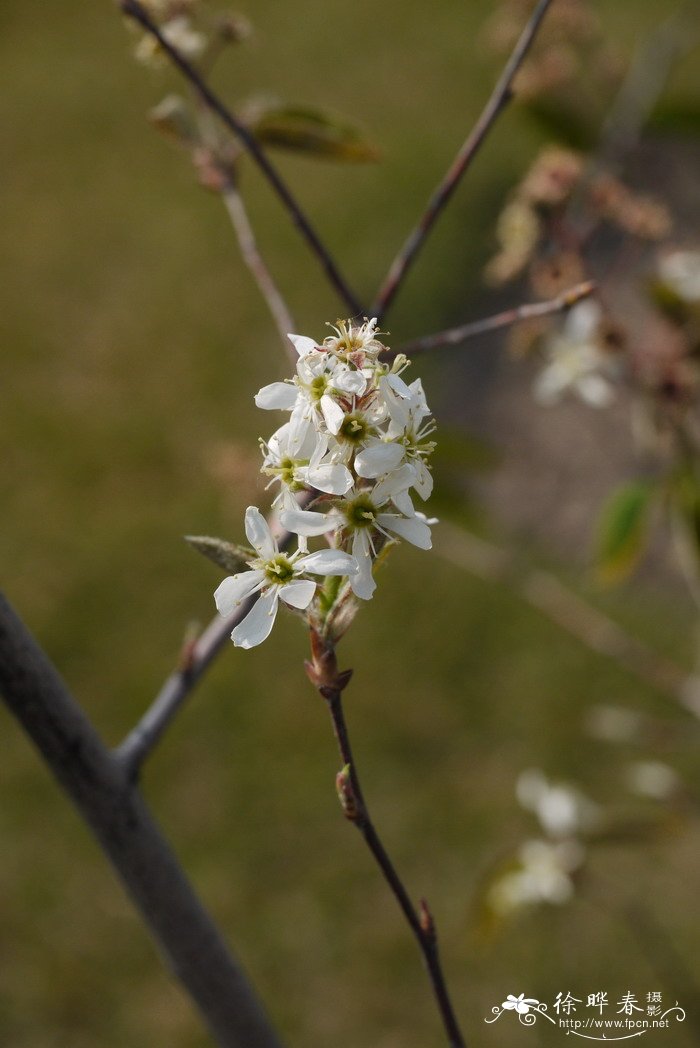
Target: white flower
{"points": [[275, 576], [359, 514], [561, 809], [412, 435], [355, 342], [543, 875], [311, 468], [680, 271], [576, 363]]}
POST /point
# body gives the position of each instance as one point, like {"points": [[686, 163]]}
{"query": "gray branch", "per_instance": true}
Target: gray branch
{"points": [[188, 940]]}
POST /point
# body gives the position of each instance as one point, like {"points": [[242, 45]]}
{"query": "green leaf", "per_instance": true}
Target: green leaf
{"points": [[308, 130], [226, 555], [623, 528]]}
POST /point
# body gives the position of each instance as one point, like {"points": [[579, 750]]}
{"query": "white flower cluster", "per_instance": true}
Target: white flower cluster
{"points": [[357, 439]]}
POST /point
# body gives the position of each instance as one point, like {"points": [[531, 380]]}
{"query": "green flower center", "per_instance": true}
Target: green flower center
{"points": [[360, 512], [286, 471], [280, 569], [318, 387], [354, 429]]}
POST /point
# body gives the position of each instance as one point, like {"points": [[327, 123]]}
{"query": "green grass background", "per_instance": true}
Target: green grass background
{"points": [[132, 341]]}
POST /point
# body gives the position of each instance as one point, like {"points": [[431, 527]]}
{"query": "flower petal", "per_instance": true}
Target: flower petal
{"points": [[332, 413], [333, 479], [350, 382], [377, 458], [413, 530], [259, 535], [278, 395], [298, 593], [300, 427], [303, 344], [362, 584], [235, 589], [388, 487], [402, 501], [328, 562], [304, 522], [424, 479], [258, 623]]}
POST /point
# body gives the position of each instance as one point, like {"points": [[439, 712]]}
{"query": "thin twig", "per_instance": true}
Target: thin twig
{"points": [[256, 264], [146, 735], [453, 336], [500, 97], [545, 592], [133, 9], [188, 940], [324, 674]]}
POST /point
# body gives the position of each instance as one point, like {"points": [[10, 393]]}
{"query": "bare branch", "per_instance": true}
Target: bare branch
{"points": [[146, 735], [323, 673], [183, 931], [500, 97], [453, 336], [133, 9], [256, 264]]}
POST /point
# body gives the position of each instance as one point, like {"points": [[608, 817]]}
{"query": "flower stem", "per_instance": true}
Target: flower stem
{"points": [[323, 673]]}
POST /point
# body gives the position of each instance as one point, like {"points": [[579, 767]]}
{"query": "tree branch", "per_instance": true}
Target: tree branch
{"points": [[453, 336], [256, 264], [146, 735], [183, 931], [324, 674], [134, 9], [500, 97]]}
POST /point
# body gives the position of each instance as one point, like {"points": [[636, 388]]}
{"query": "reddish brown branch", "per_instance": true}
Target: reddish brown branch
{"points": [[324, 674], [453, 336], [500, 97]]}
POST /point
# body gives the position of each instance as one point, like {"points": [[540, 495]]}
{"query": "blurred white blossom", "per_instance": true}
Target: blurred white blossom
{"points": [[543, 874], [562, 810], [680, 271], [575, 361], [652, 779]]}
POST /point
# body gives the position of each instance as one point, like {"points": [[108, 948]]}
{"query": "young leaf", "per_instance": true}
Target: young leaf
{"points": [[226, 555], [622, 530], [308, 130]]}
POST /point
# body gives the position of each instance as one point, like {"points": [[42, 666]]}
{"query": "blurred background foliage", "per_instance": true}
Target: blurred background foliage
{"points": [[133, 341]]}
